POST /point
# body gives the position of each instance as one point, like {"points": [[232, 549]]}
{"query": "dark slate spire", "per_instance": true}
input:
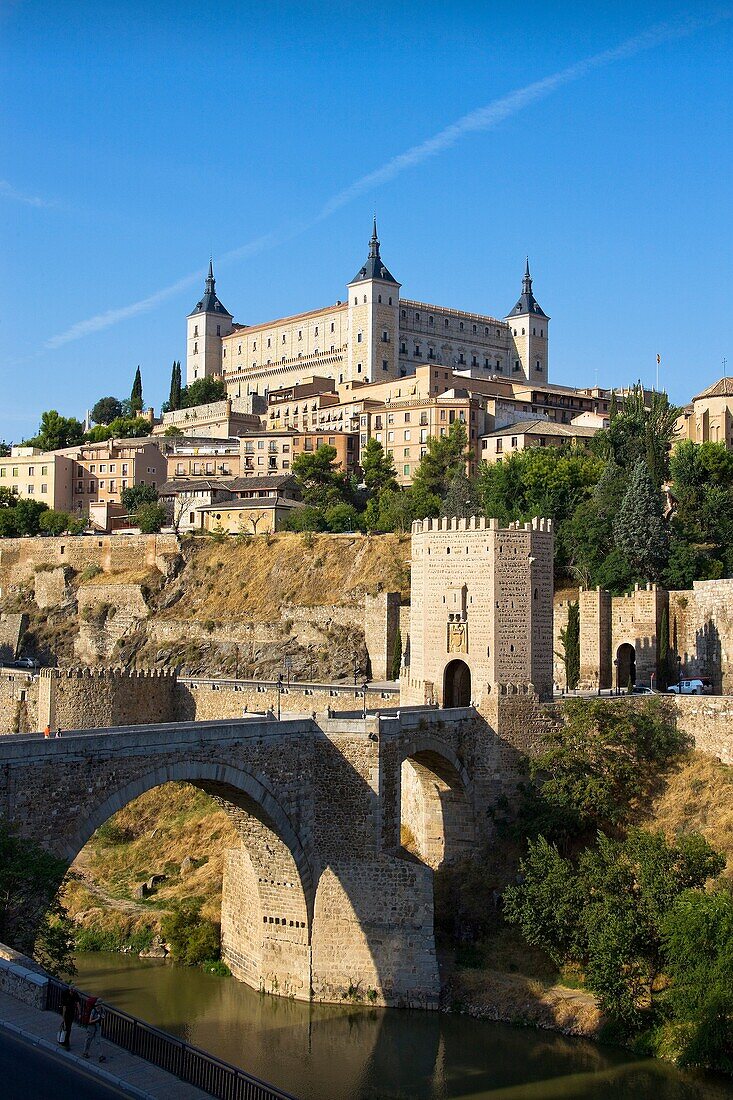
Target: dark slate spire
{"points": [[374, 268], [527, 302], [210, 303]]}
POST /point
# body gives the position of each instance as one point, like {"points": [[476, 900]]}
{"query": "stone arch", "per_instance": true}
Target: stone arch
{"points": [[625, 665], [456, 684], [268, 890], [435, 803]]}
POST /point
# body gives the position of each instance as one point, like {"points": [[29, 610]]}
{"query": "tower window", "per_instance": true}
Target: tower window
{"points": [[516, 364], [385, 365], [430, 319], [195, 330], [523, 332], [447, 323], [542, 332], [537, 365], [486, 331], [534, 331], [404, 314], [269, 342], [283, 338], [385, 336], [218, 330], [390, 301], [300, 334], [461, 326], [316, 331], [474, 330], [379, 299], [417, 316], [365, 299]]}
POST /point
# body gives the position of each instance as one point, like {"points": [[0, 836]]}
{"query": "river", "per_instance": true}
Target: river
{"points": [[329, 1052]]}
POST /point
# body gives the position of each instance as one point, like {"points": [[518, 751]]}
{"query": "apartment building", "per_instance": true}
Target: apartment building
{"points": [[38, 475], [273, 452]]}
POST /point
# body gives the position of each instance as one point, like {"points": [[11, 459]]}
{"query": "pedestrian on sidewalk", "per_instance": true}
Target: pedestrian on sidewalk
{"points": [[59, 731], [47, 731], [70, 1001], [95, 1015]]}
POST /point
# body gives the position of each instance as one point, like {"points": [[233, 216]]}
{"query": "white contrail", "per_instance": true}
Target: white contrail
{"points": [[482, 119], [9, 192]]}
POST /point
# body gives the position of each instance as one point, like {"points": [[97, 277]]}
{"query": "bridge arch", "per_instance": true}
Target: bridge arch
{"points": [[436, 803], [268, 890]]}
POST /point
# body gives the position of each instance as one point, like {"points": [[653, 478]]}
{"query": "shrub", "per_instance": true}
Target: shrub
{"points": [[192, 938]]}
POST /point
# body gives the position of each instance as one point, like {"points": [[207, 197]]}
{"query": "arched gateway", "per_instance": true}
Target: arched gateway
{"points": [[457, 684]]}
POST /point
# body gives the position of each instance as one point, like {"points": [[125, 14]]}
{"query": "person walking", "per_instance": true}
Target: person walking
{"points": [[47, 731], [59, 731], [70, 1001], [95, 1015]]}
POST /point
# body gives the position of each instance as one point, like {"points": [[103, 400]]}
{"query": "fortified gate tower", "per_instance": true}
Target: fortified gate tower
{"points": [[480, 611]]}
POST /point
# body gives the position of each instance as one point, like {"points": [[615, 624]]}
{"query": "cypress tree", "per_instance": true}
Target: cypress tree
{"points": [[136, 396], [570, 639], [172, 403], [178, 384], [663, 652], [639, 527], [397, 656]]}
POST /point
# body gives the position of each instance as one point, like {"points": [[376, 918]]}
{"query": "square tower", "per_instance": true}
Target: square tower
{"points": [[529, 326], [205, 327], [373, 328], [480, 611]]}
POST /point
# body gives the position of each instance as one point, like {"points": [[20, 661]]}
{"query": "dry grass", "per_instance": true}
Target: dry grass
{"points": [[699, 796], [252, 579]]}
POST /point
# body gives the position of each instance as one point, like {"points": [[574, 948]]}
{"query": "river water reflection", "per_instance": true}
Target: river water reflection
{"points": [[326, 1052]]}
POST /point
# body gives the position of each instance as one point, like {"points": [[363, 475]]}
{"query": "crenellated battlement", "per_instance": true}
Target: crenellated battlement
{"points": [[114, 674], [476, 523]]}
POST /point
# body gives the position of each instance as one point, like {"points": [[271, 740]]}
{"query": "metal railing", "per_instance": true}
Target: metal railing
{"points": [[194, 1066]]}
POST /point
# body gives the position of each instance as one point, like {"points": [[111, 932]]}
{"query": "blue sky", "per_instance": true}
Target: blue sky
{"points": [[135, 139]]}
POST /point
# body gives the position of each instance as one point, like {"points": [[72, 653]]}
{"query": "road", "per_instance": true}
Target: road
{"points": [[28, 1072]]}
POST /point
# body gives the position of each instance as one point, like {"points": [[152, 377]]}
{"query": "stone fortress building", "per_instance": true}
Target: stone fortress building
{"points": [[480, 611], [373, 335]]}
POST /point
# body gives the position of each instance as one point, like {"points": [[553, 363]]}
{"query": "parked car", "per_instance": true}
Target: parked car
{"points": [[687, 687], [639, 689], [25, 662]]}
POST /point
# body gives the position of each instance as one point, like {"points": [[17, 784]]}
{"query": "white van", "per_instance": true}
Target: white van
{"points": [[687, 687]]}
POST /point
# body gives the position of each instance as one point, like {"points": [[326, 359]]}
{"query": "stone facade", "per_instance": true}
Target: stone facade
{"points": [[107, 612], [12, 626], [480, 610], [619, 635], [86, 698]]}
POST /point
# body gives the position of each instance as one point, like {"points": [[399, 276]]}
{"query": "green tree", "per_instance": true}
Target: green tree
{"points": [[342, 517], [174, 398], [173, 432], [136, 394], [32, 920], [4, 449], [8, 496], [52, 522], [397, 655], [321, 482], [150, 518], [28, 516], [462, 498], [308, 518], [607, 910], [202, 392], [664, 656], [56, 432], [643, 430], [586, 539], [570, 641], [601, 766], [136, 495], [126, 427], [192, 938], [639, 527], [697, 937], [106, 410], [445, 457], [378, 468], [8, 530]]}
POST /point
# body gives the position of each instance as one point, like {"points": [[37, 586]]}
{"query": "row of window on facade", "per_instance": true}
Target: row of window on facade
{"points": [[30, 471], [447, 321]]}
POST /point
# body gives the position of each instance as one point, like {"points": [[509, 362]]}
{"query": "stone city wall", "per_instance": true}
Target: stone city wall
{"points": [[208, 700], [18, 702], [19, 558], [51, 586], [701, 622], [90, 698], [11, 630], [709, 719]]}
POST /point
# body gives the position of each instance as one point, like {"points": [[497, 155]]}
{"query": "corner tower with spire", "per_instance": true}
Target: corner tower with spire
{"points": [[528, 325], [373, 326], [208, 322]]}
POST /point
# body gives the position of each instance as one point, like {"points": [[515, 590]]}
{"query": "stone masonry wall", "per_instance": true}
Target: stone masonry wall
{"points": [[51, 588], [20, 557], [84, 698], [11, 630], [107, 612], [18, 702], [208, 700]]}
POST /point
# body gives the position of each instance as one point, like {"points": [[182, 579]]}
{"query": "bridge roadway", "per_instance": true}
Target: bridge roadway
{"points": [[320, 900]]}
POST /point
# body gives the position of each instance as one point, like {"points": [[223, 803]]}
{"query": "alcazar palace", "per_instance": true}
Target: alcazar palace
{"points": [[373, 335]]}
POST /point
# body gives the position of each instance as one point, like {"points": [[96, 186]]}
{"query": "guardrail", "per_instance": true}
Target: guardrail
{"points": [[194, 1066]]}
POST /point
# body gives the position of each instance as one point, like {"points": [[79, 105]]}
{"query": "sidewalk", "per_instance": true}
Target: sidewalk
{"points": [[121, 1069]]}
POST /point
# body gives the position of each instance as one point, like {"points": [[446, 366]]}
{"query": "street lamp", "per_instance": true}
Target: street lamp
{"points": [[279, 690], [364, 710]]}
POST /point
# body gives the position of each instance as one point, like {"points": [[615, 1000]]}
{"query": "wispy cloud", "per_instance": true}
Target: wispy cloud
{"points": [[480, 120], [7, 191]]}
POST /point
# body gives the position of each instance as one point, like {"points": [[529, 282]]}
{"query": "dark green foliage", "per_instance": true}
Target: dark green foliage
{"points": [[702, 524], [202, 392], [174, 398], [306, 519], [52, 522], [378, 468], [192, 939], [124, 427], [606, 911], [640, 433], [322, 484], [106, 410], [341, 518], [603, 763], [444, 459], [639, 527], [462, 498], [665, 660], [136, 394], [697, 937], [136, 495], [32, 920], [28, 516], [150, 518], [397, 655], [56, 432], [570, 639]]}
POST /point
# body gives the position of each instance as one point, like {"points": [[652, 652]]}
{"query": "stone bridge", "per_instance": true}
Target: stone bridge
{"points": [[320, 900]]}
